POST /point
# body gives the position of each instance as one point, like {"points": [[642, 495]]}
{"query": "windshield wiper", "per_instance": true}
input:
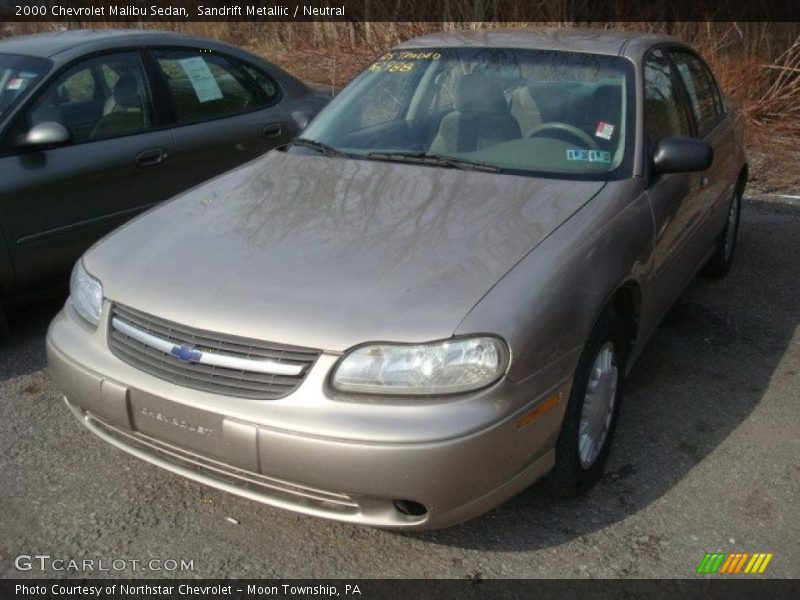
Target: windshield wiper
{"points": [[424, 158], [320, 147]]}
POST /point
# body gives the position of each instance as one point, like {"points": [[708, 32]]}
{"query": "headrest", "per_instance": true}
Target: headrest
{"points": [[126, 92], [475, 93], [506, 70]]}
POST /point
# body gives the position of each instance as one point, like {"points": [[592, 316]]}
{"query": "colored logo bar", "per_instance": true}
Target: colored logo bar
{"points": [[735, 562]]}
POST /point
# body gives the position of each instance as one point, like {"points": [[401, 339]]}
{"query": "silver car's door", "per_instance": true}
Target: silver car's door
{"points": [[676, 198], [56, 201], [225, 112], [716, 128]]}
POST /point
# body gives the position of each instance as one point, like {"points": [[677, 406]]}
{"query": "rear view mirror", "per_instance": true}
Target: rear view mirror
{"points": [[49, 133], [681, 155]]}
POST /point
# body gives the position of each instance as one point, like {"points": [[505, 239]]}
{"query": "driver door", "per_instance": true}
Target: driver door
{"points": [[675, 198]]}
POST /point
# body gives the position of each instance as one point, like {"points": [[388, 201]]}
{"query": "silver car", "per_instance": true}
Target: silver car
{"points": [[430, 299]]}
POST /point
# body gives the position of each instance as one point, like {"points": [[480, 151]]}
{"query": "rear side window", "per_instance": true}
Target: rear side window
{"points": [[666, 112], [204, 86], [703, 94]]}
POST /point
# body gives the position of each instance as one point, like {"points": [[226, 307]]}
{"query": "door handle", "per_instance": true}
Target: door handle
{"points": [[272, 130], [704, 181], [150, 158]]}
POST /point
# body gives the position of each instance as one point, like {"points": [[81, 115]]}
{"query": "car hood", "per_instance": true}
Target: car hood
{"points": [[328, 252]]}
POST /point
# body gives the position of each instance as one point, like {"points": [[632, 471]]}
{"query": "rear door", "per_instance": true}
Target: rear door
{"points": [[224, 112], [55, 202]]}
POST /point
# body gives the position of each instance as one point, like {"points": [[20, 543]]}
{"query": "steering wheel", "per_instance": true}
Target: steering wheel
{"points": [[565, 128]]}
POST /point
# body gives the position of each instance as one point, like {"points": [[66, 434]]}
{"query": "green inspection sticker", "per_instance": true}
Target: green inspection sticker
{"points": [[600, 156]]}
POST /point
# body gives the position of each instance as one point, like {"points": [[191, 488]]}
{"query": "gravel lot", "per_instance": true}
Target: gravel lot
{"points": [[706, 459]]}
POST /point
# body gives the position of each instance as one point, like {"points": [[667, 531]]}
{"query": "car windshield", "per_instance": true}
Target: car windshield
{"points": [[547, 113], [17, 75]]}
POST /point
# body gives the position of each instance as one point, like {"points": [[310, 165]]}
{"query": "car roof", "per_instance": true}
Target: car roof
{"points": [[596, 41], [51, 44]]}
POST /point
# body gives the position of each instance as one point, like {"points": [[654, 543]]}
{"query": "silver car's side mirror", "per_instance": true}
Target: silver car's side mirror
{"points": [[48, 133], [681, 155]]}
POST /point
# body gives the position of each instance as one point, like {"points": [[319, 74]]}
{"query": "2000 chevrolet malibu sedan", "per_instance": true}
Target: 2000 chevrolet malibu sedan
{"points": [[431, 298]]}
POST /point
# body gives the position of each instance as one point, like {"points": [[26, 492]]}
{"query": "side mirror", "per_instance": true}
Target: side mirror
{"points": [[301, 119], [681, 155], [45, 134]]}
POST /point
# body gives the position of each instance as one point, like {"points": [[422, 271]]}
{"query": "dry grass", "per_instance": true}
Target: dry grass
{"points": [[773, 121], [779, 102], [757, 64]]}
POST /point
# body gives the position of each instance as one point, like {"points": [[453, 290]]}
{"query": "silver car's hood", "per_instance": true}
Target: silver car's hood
{"points": [[328, 253]]}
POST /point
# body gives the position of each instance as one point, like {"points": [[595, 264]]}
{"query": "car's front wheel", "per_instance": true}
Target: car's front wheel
{"points": [[585, 439]]}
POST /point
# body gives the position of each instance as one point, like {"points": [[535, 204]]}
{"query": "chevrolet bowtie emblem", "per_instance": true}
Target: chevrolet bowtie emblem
{"points": [[186, 353]]}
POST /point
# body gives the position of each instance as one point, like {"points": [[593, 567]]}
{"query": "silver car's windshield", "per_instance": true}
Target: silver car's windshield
{"points": [[557, 114], [17, 74]]}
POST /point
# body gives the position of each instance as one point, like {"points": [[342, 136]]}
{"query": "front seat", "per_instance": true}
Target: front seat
{"points": [[123, 111], [524, 109], [480, 118]]}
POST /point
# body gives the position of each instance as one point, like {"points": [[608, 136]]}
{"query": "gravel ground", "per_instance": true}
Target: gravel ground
{"points": [[705, 459]]}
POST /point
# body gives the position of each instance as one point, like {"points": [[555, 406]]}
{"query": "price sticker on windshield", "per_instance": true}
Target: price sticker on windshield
{"points": [[392, 66], [402, 62]]}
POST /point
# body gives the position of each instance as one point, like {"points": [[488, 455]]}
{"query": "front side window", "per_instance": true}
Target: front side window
{"points": [[665, 110], [702, 90], [545, 113], [204, 86], [102, 97], [17, 76], [79, 86]]}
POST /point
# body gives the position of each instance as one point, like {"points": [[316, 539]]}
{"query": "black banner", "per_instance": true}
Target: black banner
{"points": [[379, 589], [579, 11]]}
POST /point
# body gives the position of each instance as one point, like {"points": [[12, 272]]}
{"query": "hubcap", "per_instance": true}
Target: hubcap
{"points": [[730, 232], [598, 405]]}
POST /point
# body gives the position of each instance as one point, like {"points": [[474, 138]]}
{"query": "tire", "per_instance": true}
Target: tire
{"points": [[720, 262], [575, 472]]}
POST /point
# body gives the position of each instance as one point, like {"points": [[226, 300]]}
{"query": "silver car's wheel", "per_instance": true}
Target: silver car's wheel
{"points": [[591, 414], [598, 405]]}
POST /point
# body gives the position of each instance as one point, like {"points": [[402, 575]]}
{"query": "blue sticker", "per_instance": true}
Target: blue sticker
{"points": [[597, 156]]}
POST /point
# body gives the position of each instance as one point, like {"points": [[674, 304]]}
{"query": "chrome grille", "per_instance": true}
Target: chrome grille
{"points": [[129, 327]]}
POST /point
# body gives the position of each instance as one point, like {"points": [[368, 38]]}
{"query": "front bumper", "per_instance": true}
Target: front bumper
{"points": [[314, 453]]}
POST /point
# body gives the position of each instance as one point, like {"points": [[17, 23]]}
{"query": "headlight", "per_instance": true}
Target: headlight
{"points": [[86, 293], [448, 367]]}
